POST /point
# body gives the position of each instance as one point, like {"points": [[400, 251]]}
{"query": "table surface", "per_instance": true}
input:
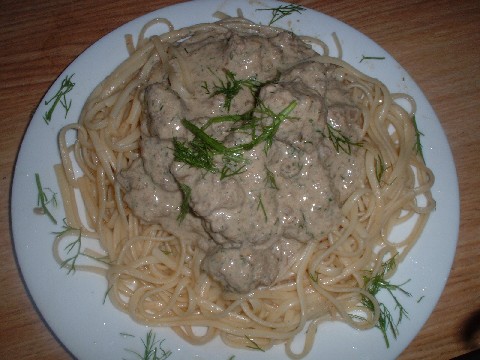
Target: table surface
{"points": [[437, 42]]}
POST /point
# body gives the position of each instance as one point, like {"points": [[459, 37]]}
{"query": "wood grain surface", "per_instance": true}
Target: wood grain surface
{"points": [[437, 42]]}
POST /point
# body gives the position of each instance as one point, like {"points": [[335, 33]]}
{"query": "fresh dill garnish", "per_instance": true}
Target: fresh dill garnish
{"points": [[418, 145], [166, 252], [60, 97], [206, 88], [195, 153], [261, 206], [73, 248], [126, 334], [254, 345], [235, 118], [282, 11], [380, 168], [313, 278], [43, 200], [372, 58], [200, 152], [106, 294], [103, 259], [375, 283], [270, 179], [277, 119], [231, 168], [339, 141], [185, 206], [210, 142], [230, 87], [152, 348]]}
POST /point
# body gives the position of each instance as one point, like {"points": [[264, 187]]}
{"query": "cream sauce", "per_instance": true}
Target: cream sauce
{"points": [[287, 196]]}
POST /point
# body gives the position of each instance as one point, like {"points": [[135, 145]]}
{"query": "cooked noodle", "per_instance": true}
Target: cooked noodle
{"points": [[157, 278]]}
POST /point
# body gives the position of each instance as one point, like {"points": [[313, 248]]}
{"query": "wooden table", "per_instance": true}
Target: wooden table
{"points": [[437, 41]]}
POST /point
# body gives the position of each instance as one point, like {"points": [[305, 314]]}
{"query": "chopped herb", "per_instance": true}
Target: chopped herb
{"points": [[200, 152], [270, 179], [372, 58], [420, 299], [282, 11], [153, 349], [210, 142], [379, 168], [60, 97], [313, 278], [339, 141], [254, 345], [126, 334], [246, 117], [185, 206], [106, 295], [373, 284], [166, 252], [231, 87], [205, 87], [261, 206], [418, 145], [43, 200], [270, 131], [195, 153], [231, 169], [74, 247]]}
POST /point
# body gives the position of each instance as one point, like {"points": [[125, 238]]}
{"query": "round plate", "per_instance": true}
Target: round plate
{"points": [[73, 304]]}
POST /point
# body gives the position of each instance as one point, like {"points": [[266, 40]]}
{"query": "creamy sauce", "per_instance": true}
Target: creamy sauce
{"points": [[248, 224]]}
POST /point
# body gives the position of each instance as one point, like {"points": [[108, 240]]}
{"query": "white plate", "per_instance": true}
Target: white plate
{"points": [[72, 305]]}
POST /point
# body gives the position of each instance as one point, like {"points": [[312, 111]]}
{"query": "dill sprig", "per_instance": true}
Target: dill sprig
{"points": [[314, 278], [185, 206], [372, 58], [60, 97], [254, 345], [195, 153], [339, 141], [269, 131], [231, 86], [43, 200], [374, 284], [152, 348], [380, 168], [282, 11], [200, 152], [74, 248], [126, 334], [262, 207], [231, 168], [106, 295], [418, 145], [270, 179]]}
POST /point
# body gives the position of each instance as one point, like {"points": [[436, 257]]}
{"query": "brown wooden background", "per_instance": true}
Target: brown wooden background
{"points": [[438, 42]]}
